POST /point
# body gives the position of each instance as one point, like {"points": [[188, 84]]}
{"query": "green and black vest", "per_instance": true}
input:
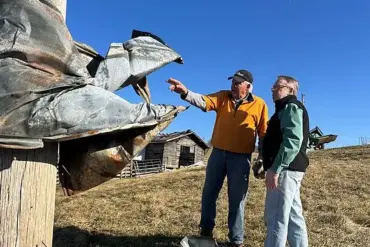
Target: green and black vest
{"points": [[274, 137]]}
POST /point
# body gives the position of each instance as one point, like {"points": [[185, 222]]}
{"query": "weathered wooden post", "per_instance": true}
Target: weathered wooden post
{"points": [[27, 196]]}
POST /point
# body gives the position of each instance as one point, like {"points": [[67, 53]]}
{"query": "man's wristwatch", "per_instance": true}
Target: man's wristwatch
{"points": [[183, 95]]}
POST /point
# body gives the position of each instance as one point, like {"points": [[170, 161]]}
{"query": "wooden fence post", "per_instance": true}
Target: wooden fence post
{"points": [[27, 196]]}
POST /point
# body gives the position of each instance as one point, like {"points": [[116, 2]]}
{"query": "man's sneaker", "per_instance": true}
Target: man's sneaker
{"points": [[206, 233]]}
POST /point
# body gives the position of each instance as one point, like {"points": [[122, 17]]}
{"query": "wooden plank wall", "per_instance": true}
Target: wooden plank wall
{"points": [[172, 151], [154, 151]]}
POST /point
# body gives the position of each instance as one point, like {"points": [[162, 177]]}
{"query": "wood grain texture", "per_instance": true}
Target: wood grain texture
{"points": [[27, 196]]}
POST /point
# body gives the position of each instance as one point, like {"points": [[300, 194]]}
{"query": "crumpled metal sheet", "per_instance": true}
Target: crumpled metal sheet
{"points": [[88, 162], [53, 88], [196, 241]]}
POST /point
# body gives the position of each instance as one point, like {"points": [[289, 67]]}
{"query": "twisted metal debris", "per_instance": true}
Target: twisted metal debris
{"points": [[55, 89]]}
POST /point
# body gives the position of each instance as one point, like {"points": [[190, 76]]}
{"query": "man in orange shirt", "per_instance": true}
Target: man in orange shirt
{"points": [[241, 116]]}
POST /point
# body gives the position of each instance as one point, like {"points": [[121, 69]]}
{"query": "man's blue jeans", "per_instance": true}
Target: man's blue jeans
{"points": [[283, 212], [236, 167]]}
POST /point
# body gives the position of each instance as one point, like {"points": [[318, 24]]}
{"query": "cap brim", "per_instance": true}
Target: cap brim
{"points": [[236, 78]]}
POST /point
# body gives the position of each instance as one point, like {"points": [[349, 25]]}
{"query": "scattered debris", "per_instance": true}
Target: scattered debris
{"points": [[198, 242]]}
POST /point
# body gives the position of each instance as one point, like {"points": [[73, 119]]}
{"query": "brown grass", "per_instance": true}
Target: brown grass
{"points": [[160, 210]]}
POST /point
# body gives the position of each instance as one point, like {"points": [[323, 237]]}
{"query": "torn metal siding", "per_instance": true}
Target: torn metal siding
{"points": [[88, 162], [49, 86], [58, 5], [53, 88]]}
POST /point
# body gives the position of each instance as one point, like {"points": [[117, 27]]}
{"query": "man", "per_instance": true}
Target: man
{"points": [[285, 160], [240, 117]]}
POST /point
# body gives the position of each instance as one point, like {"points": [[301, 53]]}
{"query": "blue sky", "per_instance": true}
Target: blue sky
{"points": [[325, 44]]}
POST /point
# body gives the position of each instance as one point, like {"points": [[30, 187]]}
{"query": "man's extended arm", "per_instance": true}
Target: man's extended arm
{"points": [[195, 99], [208, 102]]}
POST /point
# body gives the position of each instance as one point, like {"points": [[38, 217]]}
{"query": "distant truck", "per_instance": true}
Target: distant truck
{"points": [[317, 139]]}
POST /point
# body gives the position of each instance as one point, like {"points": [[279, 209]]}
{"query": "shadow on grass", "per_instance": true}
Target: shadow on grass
{"points": [[74, 237]]}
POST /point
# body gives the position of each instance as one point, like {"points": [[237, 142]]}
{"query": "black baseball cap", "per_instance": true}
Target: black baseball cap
{"points": [[242, 75]]}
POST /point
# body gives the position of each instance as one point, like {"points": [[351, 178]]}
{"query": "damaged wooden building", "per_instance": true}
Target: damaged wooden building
{"points": [[177, 149]]}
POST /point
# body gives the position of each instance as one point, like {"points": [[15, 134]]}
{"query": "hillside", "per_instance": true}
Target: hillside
{"points": [[160, 210]]}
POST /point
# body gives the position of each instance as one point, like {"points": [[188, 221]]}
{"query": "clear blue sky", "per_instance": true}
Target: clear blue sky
{"points": [[325, 44]]}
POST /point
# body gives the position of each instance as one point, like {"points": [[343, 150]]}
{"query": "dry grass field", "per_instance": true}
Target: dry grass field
{"points": [[160, 210]]}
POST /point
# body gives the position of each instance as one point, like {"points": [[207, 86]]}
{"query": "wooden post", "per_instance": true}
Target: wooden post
{"points": [[27, 196]]}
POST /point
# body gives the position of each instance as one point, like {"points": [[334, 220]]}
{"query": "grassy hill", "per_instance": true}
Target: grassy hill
{"points": [[160, 210]]}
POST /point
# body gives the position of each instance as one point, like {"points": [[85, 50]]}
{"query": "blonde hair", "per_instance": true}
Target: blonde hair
{"points": [[290, 82]]}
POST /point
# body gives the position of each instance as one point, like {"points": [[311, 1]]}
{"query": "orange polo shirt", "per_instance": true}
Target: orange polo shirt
{"points": [[235, 130]]}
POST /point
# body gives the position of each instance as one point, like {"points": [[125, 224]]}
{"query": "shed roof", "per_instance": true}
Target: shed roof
{"points": [[163, 138]]}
